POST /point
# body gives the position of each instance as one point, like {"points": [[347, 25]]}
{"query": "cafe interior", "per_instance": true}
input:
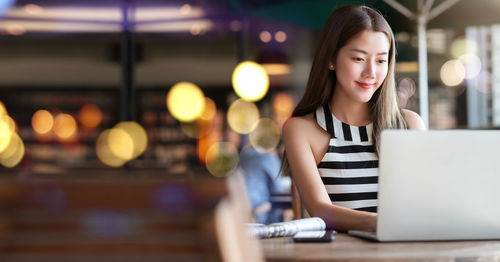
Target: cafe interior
{"points": [[150, 130]]}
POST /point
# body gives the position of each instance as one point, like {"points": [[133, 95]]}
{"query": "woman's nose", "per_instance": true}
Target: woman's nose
{"points": [[369, 70]]}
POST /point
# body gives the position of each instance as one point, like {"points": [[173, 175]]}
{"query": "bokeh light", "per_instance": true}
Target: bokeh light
{"points": [[121, 144], [104, 153], [203, 145], [405, 90], [250, 81], [463, 46], [3, 110], [283, 104], [14, 153], [10, 122], [90, 116], [452, 73], [16, 29], [280, 36], [276, 69], [209, 111], [185, 9], [137, 134], [242, 116], [266, 136], [42, 122], [33, 9], [472, 65], [11, 145], [65, 126], [195, 29], [5, 133], [235, 26], [222, 159], [185, 101], [265, 36]]}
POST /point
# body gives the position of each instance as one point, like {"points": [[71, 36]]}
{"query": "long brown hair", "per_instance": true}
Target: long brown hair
{"points": [[343, 24]]}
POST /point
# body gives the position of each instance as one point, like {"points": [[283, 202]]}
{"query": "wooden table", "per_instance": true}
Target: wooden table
{"points": [[348, 248]]}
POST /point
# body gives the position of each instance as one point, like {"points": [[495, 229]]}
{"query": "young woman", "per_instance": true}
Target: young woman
{"points": [[332, 137]]}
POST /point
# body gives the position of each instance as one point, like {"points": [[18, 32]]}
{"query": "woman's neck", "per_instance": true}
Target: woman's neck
{"points": [[349, 112]]}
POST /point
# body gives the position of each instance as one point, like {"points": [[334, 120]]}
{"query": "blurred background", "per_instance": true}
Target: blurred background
{"points": [[200, 88]]}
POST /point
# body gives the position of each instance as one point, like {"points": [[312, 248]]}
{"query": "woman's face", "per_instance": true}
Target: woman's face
{"points": [[361, 66]]}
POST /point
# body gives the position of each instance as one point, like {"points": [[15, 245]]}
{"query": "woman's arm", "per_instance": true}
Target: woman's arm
{"points": [[297, 134]]}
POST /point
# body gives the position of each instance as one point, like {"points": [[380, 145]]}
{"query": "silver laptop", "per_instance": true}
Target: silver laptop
{"points": [[438, 185]]}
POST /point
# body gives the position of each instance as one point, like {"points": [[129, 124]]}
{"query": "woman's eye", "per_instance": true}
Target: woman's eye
{"points": [[382, 61], [358, 59]]}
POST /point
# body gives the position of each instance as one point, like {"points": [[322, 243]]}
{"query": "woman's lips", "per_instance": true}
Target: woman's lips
{"points": [[365, 85]]}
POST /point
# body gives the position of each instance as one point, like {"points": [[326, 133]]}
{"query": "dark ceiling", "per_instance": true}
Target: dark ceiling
{"points": [[311, 13]]}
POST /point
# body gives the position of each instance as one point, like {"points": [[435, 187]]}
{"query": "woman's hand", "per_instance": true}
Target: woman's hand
{"points": [[372, 222]]}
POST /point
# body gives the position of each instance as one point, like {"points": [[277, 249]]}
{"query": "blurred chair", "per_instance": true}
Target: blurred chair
{"points": [[235, 245], [232, 213]]}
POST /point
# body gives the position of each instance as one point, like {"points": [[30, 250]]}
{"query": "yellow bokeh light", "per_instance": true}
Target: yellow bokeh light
{"points": [[121, 144], [452, 73], [90, 116], [10, 123], [16, 153], [242, 116], [222, 158], [462, 46], [137, 134], [104, 153], [283, 104], [266, 136], [276, 69], [250, 81], [11, 148], [3, 110], [185, 101], [5, 134], [64, 126], [209, 111], [42, 122]]}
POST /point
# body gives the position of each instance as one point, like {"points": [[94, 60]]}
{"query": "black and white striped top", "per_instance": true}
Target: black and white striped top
{"points": [[349, 169]]}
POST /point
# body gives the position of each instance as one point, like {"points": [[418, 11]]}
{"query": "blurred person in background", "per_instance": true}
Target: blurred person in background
{"points": [[262, 180]]}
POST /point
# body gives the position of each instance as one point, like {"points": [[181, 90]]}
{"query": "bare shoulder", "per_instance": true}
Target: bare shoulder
{"points": [[299, 124], [413, 120]]}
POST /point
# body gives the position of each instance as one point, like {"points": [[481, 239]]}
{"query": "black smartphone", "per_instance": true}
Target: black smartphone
{"points": [[315, 236]]}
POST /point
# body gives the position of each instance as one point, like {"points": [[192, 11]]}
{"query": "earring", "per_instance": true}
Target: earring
{"points": [[331, 67]]}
